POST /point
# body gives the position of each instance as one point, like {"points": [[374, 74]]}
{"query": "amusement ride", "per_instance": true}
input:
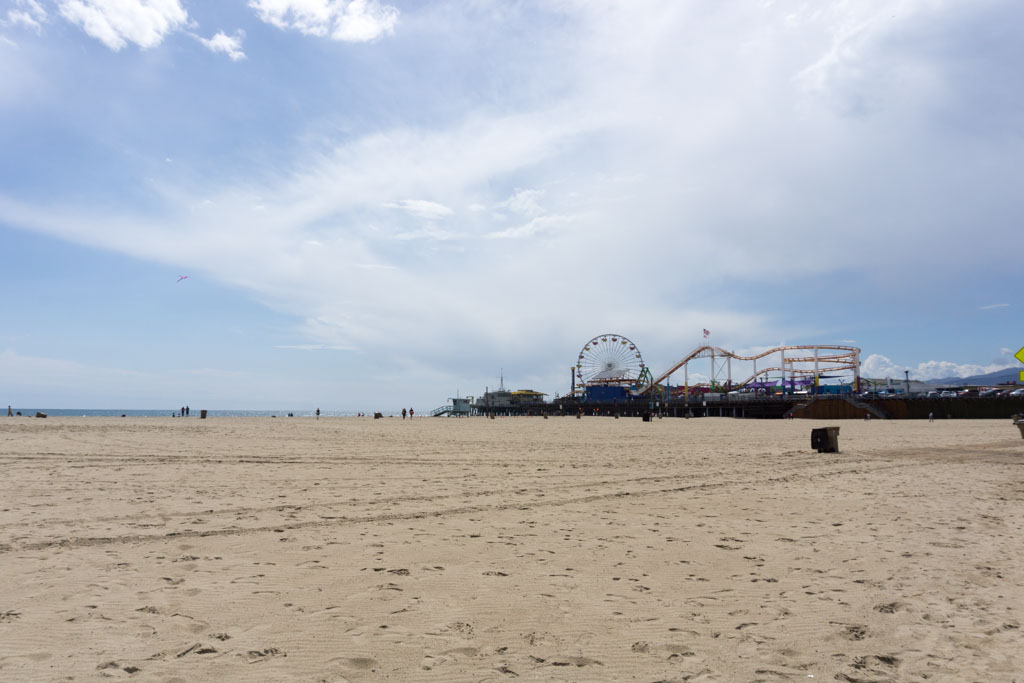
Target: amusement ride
{"points": [[613, 360], [609, 360]]}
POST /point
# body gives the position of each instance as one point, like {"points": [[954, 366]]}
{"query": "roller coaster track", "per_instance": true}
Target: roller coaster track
{"points": [[837, 358]]}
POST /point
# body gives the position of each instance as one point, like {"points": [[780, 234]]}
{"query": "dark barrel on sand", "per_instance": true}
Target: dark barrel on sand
{"points": [[825, 439]]}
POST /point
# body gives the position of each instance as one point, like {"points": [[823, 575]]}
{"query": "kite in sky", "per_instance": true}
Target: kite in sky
{"points": [[182, 277]]}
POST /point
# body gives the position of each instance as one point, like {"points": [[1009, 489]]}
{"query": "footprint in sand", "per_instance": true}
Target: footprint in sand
{"points": [[575, 661], [889, 607], [855, 632], [358, 663], [462, 628], [876, 666], [263, 655], [429, 662], [197, 649], [191, 624]]}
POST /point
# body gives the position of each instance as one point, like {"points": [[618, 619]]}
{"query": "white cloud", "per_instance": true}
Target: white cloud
{"points": [[992, 307], [530, 229], [32, 16], [429, 232], [356, 21], [118, 22], [877, 366], [421, 208], [229, 45], [524, 202]]}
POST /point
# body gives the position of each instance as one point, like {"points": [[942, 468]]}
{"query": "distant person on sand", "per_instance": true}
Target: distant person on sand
{"points": [[186, 411], [931, 417], [9, 413], [183, 411], [410, 413], [318, 413], [403, 413]]}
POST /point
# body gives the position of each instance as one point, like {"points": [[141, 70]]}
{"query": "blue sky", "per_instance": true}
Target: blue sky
{"points": [[380, 204]]}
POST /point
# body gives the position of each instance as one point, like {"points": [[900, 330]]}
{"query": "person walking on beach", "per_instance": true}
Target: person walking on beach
{"points": [[403, 413], [9, 413], [183, 411], [318, 413], [931, 417], [186, 411], [410, 413]]}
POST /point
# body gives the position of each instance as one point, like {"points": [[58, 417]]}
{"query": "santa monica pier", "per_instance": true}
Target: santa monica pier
{"points": [[609, 377]]}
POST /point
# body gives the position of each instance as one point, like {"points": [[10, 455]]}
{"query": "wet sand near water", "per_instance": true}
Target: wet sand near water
{"points": [[345, 549]]}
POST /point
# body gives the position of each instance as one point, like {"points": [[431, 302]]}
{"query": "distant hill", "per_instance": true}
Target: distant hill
{"points": [[992, 378]]}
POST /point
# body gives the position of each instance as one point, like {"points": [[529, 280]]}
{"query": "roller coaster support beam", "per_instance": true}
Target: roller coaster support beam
{"points": [[845, 358]]}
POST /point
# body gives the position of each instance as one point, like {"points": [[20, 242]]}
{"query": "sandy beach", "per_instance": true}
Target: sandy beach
{"points": [[350, 549]]}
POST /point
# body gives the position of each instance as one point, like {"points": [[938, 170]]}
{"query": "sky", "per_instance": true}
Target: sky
{"points": [[386, 204]]}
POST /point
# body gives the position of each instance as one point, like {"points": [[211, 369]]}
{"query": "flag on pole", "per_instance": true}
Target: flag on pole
{"points": [[706, 333]]}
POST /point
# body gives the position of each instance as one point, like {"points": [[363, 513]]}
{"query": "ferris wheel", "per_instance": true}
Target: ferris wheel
{"points": [[609, 359]]}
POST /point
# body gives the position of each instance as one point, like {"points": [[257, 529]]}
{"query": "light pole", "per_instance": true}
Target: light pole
{"points": [[906, 376]]}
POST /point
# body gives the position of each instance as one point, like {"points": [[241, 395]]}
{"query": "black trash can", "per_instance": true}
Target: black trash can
{"points": [[825, 439]]}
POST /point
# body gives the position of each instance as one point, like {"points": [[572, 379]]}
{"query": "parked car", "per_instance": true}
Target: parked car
{"points": [[988, 392], [1017, 392], [932, 394], [947, 394]]}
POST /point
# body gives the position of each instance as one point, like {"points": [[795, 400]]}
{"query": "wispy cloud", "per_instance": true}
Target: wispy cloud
{"points": [[531, 228], [31, 15], [524, 202], [356, 21], [116, 23], [229, 45], [421, 208], [992, 307], [429, 232]]}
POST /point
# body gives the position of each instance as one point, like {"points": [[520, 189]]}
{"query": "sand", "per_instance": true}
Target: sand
{"points": [[350, 549]]}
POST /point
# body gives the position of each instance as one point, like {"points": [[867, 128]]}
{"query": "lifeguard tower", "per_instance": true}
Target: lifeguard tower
{"points": [[461, 406]]}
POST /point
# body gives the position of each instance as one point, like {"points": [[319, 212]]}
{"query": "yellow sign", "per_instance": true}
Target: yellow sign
{"points": [[1020, 356]]}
